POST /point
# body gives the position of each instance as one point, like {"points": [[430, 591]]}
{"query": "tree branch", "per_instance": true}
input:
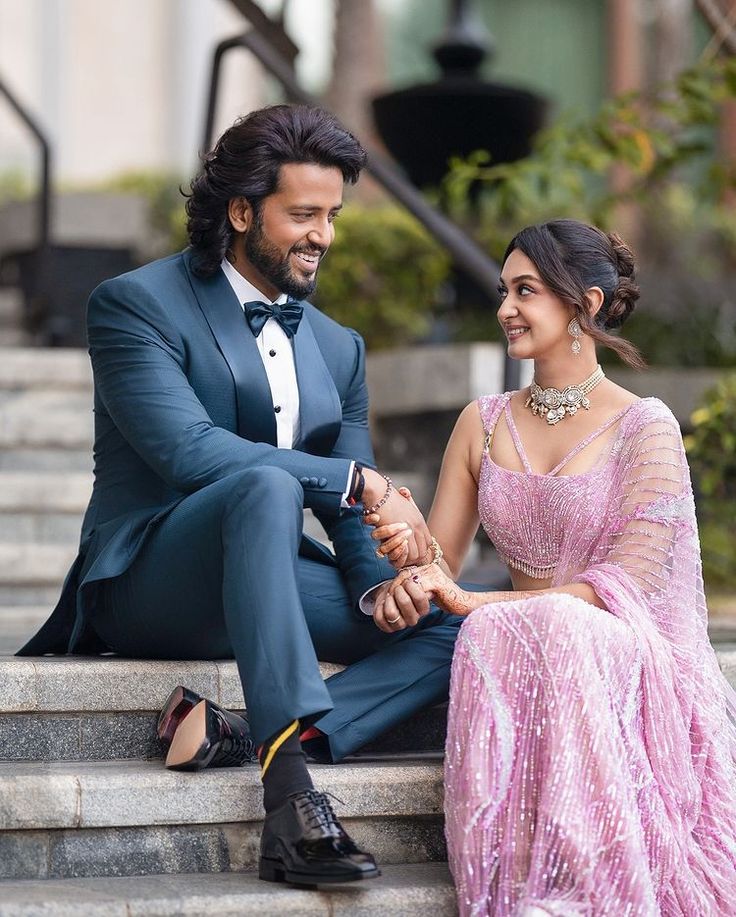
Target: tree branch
{"points": [[721, 23]]}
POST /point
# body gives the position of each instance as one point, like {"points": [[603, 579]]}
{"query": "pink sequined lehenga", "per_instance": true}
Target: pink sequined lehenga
{"points": [[591, 754]]}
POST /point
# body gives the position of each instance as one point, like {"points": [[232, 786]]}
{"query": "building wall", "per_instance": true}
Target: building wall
{"points": [[117, 86], [554, 47]]}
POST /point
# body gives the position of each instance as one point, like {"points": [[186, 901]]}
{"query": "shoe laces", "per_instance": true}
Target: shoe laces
{"points": [[235, 747], [236, 750], [318, 811]]}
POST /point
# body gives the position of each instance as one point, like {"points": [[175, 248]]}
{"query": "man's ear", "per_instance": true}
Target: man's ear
{"points": [[240, 214], [595, 297]]}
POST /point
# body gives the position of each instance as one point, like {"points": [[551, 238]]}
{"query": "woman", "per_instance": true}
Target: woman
{"points": [[591, 749]]}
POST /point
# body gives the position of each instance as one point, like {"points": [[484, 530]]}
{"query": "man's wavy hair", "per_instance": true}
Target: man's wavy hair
{"points": [[246, 162]]}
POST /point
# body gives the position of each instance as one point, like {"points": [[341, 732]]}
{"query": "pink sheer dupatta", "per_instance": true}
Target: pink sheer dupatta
{"points": [[591, 755]]}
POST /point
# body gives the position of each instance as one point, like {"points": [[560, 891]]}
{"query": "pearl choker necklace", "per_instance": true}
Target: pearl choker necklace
{"points": [[554, 404]]}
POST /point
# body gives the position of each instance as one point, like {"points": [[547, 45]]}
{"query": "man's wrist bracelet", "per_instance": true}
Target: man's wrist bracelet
{"points": [[357, 485], [376, 506]]}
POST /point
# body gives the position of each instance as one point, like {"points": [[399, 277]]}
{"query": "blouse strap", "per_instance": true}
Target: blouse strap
{"points": [[511, 424], [490, 407], [589, 439]]}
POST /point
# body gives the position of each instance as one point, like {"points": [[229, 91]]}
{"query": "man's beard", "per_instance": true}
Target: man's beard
{"points": [[268, 261]]}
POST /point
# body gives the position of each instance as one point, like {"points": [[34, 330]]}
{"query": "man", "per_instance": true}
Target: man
{"points": [[225, 404]]}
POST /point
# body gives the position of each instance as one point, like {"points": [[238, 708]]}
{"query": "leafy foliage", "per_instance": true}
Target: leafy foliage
{"points": [[382, 275], [711, 450]]}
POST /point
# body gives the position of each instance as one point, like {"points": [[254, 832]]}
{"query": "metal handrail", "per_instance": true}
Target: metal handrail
{"points": [[465, 252], [44, 194]]}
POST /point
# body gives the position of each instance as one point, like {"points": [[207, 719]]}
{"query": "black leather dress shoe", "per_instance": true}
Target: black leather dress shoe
{"points": [[304, 843], [178, 704], [209, 736]]}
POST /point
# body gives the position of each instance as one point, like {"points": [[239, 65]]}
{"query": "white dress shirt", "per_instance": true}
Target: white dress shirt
{"points": [[277, 353]]}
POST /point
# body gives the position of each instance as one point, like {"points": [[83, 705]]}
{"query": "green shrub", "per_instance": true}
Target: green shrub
{"points": [[382, 275], [711, 450]]}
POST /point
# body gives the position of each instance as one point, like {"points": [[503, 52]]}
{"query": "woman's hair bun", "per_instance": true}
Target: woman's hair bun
{"points": [[622, 255], [627, 291]]}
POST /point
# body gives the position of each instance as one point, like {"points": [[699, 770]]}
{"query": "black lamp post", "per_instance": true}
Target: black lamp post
{"points": [[423, 125], [459, 113]]}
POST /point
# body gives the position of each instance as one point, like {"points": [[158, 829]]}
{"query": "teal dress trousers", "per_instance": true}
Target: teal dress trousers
{"points": [[192, 544]]}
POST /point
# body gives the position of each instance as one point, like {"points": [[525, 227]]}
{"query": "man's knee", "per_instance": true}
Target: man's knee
{"points": [[265, 485]]}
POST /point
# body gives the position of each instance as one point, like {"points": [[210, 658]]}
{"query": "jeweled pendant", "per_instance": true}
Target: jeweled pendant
{"points": [[553, 404], [575, 346]]}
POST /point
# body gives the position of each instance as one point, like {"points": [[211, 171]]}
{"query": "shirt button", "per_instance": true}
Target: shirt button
{"points": [[272, 353], [277, 409]]}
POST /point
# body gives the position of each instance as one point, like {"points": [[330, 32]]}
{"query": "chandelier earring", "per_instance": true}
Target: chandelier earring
{"points": [[575, 332]]}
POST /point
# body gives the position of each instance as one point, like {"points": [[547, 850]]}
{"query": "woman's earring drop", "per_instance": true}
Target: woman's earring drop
{"points": [[575, 332]]}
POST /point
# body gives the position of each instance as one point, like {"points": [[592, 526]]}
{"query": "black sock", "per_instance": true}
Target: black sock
{"points": [[283, 767]]}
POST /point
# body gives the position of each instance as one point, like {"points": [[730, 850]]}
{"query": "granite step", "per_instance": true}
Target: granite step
{"points": [[64, 820], [45, 367], [18, 623], [29, 492], [105, 708], [27, 596], [56, 418], [406, 890], [29, 564], [46, 459], [96, 684], [43, 507]]}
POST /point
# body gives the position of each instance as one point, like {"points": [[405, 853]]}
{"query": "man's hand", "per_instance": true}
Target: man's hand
{"points": [[400, 507], [437, 586], [400, 603]]}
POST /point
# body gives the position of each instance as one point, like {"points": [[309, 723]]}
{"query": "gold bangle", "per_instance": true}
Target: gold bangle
{"points": [[437, 552]]}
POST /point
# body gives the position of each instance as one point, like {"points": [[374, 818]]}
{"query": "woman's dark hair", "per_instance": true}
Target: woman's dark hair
{"points": [[572, 257], [246, 162]]}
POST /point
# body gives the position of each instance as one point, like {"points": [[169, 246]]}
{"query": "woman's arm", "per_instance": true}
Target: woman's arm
{"points": [[446, 593], [453, 520]]}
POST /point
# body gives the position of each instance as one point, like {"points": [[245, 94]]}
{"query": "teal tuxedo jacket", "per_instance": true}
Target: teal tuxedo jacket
{"points": [[181, 399]]}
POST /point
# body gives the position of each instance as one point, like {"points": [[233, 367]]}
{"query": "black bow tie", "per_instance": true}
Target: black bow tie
{"points": [[288, 315]]}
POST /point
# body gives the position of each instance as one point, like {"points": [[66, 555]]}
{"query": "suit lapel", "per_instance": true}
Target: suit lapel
{"points": [[224, 315], [320, 410]]}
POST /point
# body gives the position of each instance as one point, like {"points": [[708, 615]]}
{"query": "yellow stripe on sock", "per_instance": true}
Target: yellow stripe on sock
{"points": [[276, 744]]}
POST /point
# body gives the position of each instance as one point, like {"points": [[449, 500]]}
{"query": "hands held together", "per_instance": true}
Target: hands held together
{"points": [[405, 540]]}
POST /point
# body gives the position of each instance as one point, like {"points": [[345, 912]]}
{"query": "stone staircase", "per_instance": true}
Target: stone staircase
{"points": [[91, 823], [90, 820]]}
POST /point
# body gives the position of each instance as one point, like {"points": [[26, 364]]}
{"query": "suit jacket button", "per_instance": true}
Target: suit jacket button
{"points": [[304, 480], [313, 482], [277, 409], [322, 482]]}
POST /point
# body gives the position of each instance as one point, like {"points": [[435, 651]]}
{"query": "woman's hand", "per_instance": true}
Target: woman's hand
{"points": [[437, 586], [394, 537]]}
